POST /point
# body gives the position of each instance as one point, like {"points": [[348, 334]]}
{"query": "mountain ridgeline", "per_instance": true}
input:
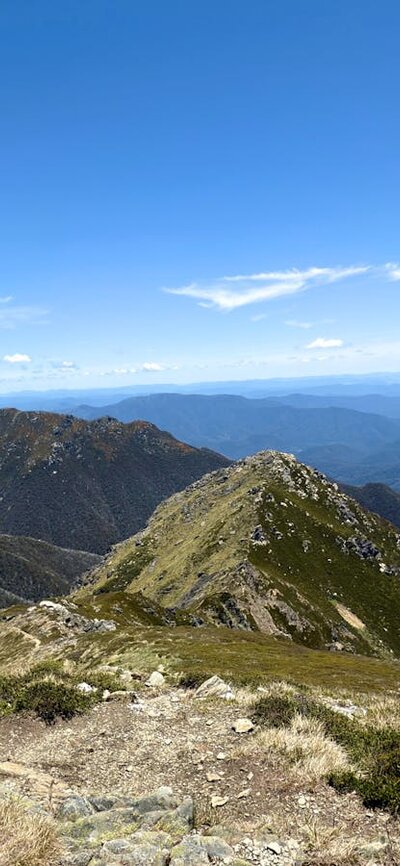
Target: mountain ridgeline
{"points": [[268, 545], [84, 485], [351, 446]]}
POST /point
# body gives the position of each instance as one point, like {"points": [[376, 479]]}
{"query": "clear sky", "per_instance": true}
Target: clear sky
{"points": [[165, 165]]}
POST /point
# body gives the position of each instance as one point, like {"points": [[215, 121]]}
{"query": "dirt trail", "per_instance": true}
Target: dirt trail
{"points": [[168, 739]]}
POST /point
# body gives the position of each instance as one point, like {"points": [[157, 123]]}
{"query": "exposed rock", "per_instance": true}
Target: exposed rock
{"points": [[156, 680], [217, 802], [133, 852], [215, 687], [75, 807], [243, 726], [213, 777], [86, 688]]}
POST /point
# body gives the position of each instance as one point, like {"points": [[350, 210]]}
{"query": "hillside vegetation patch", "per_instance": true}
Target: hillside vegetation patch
{"points": [[49, 692], [357, 756]]}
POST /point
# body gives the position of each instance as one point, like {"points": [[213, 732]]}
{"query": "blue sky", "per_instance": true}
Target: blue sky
{"points": [[149, 151]]}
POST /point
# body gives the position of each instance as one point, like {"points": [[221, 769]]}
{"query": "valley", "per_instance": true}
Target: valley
{"points": [[215, 686]]}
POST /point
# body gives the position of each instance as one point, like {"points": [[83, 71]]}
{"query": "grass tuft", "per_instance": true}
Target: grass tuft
{"points": [[26, 839]]}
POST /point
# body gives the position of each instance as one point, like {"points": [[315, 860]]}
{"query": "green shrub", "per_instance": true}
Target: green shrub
{"points": [[47, 667], [49, 692], [102, 680], [8, 688], [274, 711], [193, 680], [50, 700], [377, 756]]}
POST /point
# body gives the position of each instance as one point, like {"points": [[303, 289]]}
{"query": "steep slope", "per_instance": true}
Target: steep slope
{"points": [[378, 498], [32, 569], [238, 426], [267, 544], [88, 485]]}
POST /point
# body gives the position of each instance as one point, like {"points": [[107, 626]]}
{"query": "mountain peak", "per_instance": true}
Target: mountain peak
{"points": [[88, 484], [266, 544]]}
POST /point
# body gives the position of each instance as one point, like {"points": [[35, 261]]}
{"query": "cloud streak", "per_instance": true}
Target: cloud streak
{"points": [[12, 315], [325, 343], [18, 358], [232, 292]]}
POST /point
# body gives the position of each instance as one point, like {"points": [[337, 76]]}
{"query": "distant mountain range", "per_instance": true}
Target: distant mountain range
{"points": [[86, 485], [351, 446], [32, 569]]}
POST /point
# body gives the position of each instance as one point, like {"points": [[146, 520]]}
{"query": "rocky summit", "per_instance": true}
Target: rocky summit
{"points": [[86, 485], [267, 545]]}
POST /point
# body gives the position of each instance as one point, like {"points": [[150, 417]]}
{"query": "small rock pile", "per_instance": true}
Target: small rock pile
{"points": [[156, 830]]}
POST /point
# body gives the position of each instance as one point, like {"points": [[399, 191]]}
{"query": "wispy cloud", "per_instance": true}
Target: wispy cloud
{"points": [[325, 343], [259, 317], [6, 299], [13, 315], [231, 292], [18, 358], [393, 270], [293, 323]]}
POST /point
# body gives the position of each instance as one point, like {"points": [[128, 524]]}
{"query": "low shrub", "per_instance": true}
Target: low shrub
{"points": [[102, 680], [192, 681], [51, 700], [51, 693]]}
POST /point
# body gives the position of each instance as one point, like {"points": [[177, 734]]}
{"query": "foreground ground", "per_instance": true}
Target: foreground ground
{"points": [[168, 736]]}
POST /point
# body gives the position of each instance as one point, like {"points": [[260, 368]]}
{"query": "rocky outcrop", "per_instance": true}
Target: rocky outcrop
{"points": [[154, 830]]}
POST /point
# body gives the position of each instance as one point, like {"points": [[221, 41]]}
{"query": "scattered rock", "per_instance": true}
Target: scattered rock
{"points": [[75, 807], [156, 680], [217, 802], [274, 847], [245, 793], [86, 688], [215, 687], [213, 777], [243, 726]]}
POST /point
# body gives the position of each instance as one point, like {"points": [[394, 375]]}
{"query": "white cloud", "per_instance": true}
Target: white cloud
{"points": [[17, 359], [152, 367], [6, 299], [276, 284], [393, 271], [325, 343]]}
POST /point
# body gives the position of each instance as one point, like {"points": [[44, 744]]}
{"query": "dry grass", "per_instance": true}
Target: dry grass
{"points": [[383, 712], [309, 753], [323, 844], [26, 839], [246, 697]]}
